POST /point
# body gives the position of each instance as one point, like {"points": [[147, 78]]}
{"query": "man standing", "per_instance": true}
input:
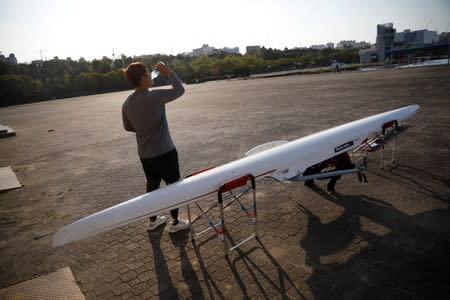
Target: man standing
{"points": [[144, 113]]}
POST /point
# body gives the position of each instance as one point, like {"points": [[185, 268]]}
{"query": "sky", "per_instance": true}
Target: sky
{"points": [[95, 28]]}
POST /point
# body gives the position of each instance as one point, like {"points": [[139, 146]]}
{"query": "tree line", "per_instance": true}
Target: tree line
{"points": [[63, 78]]}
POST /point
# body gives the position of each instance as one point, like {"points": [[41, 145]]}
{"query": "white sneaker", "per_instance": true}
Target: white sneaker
{"points": [[181, 225], [155, 224]]}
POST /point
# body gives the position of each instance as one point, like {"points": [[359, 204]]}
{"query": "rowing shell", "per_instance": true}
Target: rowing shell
{"points": [[283, 162]]}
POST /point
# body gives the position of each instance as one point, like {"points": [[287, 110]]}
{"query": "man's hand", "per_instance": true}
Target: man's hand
{"points": [[165, 70]]}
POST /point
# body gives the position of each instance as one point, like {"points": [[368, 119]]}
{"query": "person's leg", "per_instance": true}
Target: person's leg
{"points": [[153, 183], [151, 174], [170, 173], [310, 182], [343, 162], [310, 171], [332, 183], [174, 214], [315, 169]]}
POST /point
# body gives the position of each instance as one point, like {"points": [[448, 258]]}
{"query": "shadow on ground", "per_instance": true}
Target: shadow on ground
{"points": [[411, 261]]}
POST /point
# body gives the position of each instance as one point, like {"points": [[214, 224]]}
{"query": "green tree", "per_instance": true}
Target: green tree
{"points": [[16, 89], [83, 83], [4, 68], [118, 64], [284, 63], [184, 70], [202, 66], [254, 63], [54, 88], [80, 66], [346, 55], [126, 60], [53, 68], [96, 64], [306, 59], [105, 65]]}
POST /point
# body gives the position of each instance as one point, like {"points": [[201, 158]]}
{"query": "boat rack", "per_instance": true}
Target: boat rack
{"points": [[228, 193], [379, 143], [329, 174]]}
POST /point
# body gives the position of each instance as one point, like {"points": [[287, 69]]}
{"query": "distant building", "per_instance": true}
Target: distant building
{"points": [[418, 36], [323, 46], [207, 50], [37, 62], [249, 49], [234, 50], [187, 54], [204, 50], [353, 44], [444, 36], [405, 46], [400, 36], [346, 44], [363, 44], [368, 55], [318, 47], [385, 39], [10, 59]]}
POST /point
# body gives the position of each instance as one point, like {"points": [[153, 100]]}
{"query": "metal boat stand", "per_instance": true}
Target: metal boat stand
{"points": [[378, 144], [228, 193]]}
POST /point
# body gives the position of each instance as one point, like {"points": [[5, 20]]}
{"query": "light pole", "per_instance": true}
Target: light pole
{"points": [[448, 41], [112, 63]]}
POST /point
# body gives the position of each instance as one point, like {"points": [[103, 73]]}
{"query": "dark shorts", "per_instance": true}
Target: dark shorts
{"points": [[163, 167]]}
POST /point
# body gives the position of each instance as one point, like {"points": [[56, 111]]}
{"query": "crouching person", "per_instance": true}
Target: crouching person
{"points": [[341, 162]]}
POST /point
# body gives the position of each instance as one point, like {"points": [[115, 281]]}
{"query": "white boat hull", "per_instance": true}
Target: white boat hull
{"points": [[283, 162]]}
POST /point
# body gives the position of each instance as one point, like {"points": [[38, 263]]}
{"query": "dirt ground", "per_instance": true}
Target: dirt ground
{"points": [[386, 239]]}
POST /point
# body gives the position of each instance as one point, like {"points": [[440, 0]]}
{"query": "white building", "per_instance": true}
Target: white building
{"points": [[418, 36], [10, 59], [363, 44], [353, 44], [204, 50], [37, 62], [323, 46], [249, 49], [207, 50], [346, 44], [234, 50], [318, 47], [367, 55]]}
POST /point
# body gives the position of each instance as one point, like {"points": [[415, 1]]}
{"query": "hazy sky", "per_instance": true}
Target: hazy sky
{"points": [[91, 29]]}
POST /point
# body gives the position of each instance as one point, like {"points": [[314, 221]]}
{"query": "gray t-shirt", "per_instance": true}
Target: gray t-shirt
{"points": [[144, 112]]}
